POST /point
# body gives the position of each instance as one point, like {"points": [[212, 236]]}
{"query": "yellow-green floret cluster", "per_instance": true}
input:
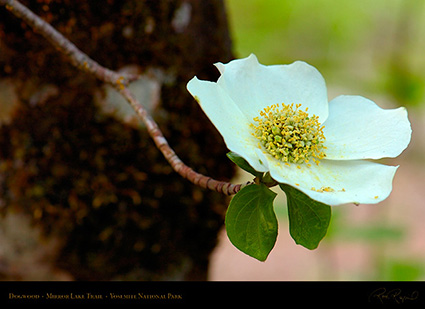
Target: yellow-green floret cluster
{"points": [[290, 134]]}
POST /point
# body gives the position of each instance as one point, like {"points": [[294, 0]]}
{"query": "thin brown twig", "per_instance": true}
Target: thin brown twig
{"points": [[120, 82]]}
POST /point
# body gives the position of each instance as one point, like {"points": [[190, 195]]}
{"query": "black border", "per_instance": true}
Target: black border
{"points": [[213, 293]]}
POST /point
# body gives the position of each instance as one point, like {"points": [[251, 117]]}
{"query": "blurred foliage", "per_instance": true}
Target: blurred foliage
{"points": [[379, 232], [374, 45], [400, 270]]}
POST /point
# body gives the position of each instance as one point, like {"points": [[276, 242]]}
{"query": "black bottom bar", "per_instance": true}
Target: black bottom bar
{"points": [[213, 293]]}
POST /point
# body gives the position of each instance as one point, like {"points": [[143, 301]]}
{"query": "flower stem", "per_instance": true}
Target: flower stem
{"points": [[268, 180]]}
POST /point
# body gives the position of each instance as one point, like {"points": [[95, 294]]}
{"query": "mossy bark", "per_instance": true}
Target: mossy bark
{"points": [[98, 184]]}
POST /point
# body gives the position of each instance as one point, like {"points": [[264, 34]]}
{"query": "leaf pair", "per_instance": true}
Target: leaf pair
{"points": [[251, 222]]}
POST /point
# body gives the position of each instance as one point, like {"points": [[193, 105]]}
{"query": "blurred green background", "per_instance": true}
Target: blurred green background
{"points": [[371, 48], [378, 45]]}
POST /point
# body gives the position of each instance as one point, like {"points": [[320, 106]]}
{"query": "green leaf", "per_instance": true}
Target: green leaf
{"points": [[241, 162], [251, 223], [308, 219]]}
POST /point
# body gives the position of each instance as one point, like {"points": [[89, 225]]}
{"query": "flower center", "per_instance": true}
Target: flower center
{"points": [[289, 134]]}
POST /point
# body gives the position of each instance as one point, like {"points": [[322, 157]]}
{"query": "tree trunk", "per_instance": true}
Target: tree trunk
{"points": [[84, 193]]}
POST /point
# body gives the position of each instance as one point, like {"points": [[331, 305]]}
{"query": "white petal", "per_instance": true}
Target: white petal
{"points": [[253, 86], [337, 182], [357, 128], [228, 119]]}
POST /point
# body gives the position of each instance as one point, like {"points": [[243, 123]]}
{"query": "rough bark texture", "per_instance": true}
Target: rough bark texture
{"points": [[95, 185]]}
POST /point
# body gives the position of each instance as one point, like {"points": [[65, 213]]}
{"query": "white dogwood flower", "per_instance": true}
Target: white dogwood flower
{"points": [[279, 120]]}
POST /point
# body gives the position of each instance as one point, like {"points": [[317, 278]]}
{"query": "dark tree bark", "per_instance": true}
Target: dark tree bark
{"points": [[97, 185]]}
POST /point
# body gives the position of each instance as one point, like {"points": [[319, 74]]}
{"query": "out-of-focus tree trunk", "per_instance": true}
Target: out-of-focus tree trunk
{"points": [[84, 193]]}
